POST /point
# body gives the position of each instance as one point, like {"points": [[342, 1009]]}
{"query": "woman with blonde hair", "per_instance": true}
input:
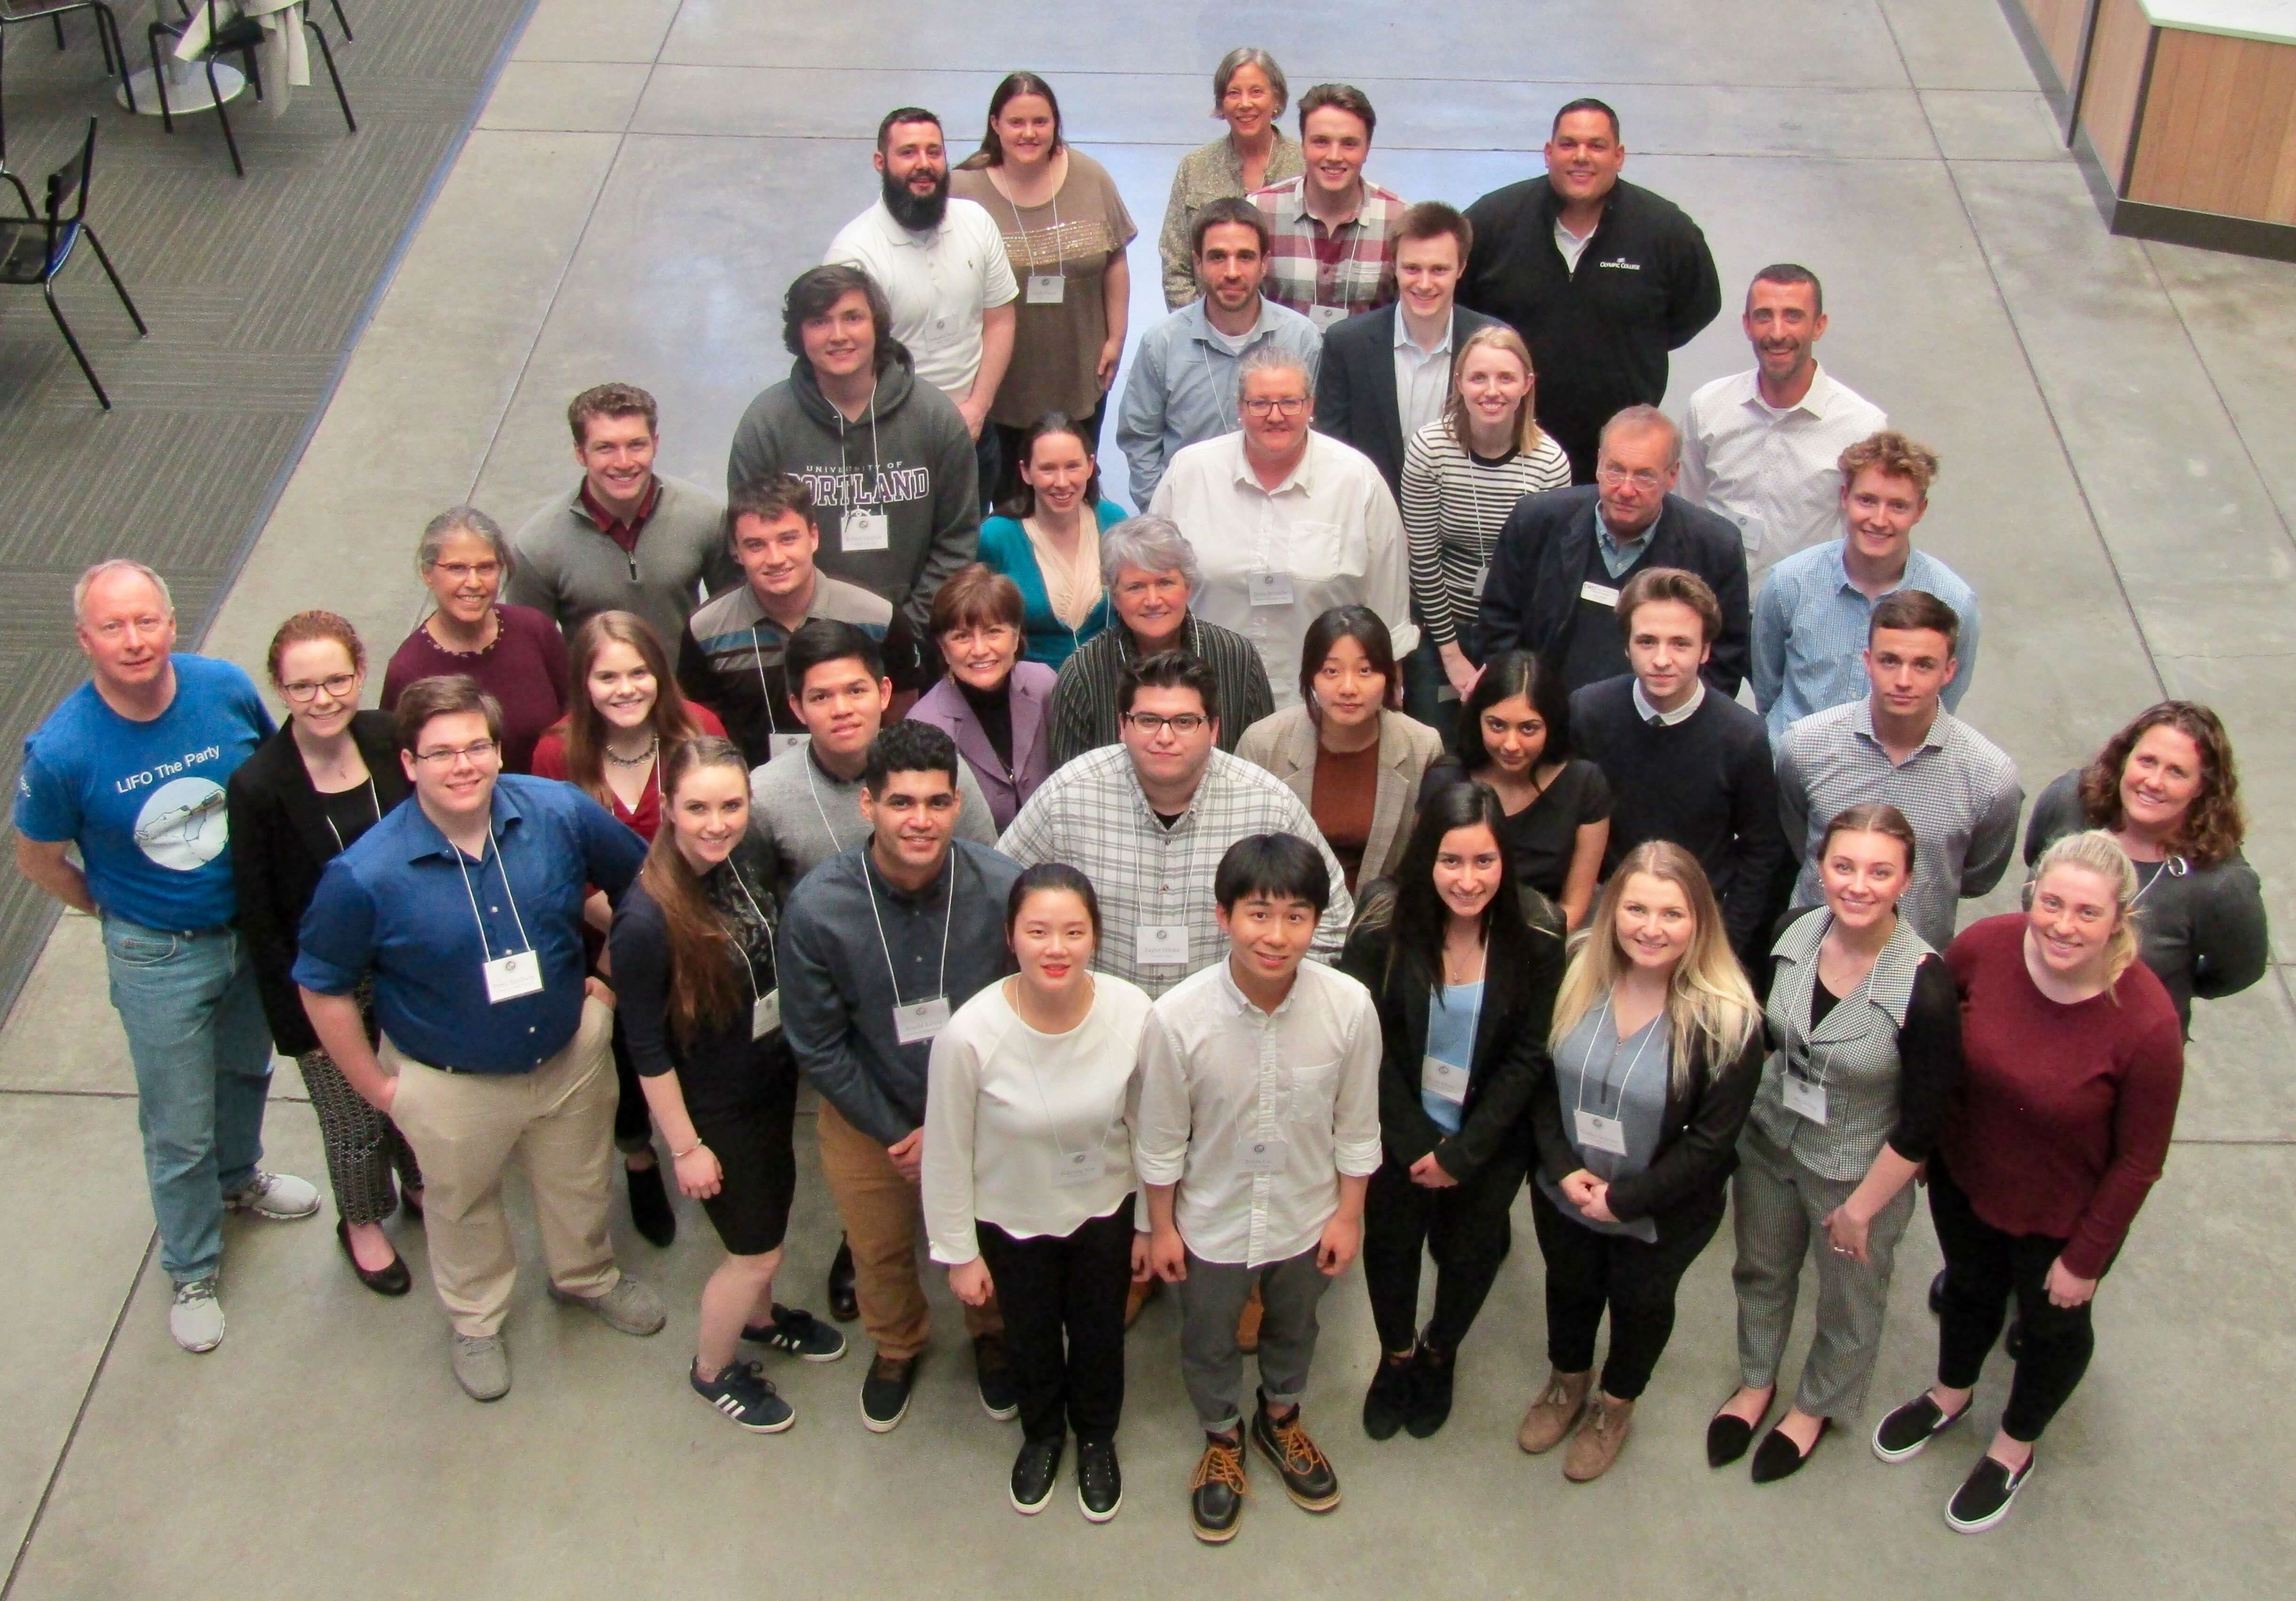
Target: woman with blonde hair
{"points": [[1462, 476], [1656, 1049], [2073, 1063]]}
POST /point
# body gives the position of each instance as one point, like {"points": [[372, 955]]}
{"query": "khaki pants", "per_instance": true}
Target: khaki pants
{"points": [[882, 1222], [559, 1121]]}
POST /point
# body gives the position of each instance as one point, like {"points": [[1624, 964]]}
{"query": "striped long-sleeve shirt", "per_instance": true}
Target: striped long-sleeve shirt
{"points": [[1454, 505]]}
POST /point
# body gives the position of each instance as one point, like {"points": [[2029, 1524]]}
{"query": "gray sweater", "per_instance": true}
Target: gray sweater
{"points": [[569, 569], [807, 813]]}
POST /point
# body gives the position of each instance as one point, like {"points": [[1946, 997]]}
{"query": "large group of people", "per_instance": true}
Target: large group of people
{"points": [[1365, 836]]}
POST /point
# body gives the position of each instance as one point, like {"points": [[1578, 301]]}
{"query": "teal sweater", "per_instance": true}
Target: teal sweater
{"points": [[1005, 547]]}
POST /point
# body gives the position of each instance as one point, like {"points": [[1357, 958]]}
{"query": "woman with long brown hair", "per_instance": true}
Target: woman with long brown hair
{"points": [[1656, 1048], [627, 716], [693, 947]]}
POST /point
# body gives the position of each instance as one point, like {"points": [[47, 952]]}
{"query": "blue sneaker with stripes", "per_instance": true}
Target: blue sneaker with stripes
{"points": [[742, 1391]]}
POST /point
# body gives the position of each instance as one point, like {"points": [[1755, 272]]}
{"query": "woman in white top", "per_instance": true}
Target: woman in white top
{"points": [[1028, 1181], [1462, 476]]}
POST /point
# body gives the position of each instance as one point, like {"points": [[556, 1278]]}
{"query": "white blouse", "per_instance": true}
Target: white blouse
{"points": [[1015, 1118]]}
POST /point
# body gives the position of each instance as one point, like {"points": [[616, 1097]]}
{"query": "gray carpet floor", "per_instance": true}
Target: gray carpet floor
{"points": [[254, 289]]}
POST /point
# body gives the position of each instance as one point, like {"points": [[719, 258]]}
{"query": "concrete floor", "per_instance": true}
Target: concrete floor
{"points": [[2118, 442]]}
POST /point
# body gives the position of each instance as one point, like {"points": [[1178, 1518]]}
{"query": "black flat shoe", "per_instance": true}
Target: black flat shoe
{"points": [[844, 1304], [1937, 1295], [1778, 1457], [650, 1208], [1727, 1437], [392, 1280]]}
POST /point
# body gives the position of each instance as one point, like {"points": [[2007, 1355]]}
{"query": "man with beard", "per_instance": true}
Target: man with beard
{"points": [[942, 263], [1762, 448]]}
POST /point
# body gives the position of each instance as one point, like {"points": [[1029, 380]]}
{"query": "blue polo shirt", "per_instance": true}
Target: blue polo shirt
{"points": [[144, 801], [400, 904]]}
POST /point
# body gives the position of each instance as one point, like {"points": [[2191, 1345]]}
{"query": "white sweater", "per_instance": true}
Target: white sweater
{"points": [[1007, 1108]]}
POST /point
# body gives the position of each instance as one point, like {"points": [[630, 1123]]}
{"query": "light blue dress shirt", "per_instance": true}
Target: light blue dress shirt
{"points": [[1809, 633], [1182, 386]]}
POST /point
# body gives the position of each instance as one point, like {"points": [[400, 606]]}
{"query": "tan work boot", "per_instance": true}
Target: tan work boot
{"points": [[1599, 1440], [1551, 1415]]}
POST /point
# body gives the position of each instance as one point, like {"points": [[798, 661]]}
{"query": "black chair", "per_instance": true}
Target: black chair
{"points": [[16, 12], [35, 248], [229, 33]]}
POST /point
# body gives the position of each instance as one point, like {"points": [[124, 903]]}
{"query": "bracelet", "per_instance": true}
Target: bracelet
{"points": [[681, 1155]]}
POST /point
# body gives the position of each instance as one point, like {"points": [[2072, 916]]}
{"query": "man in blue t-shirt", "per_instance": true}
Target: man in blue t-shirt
{"points": [[131, 769]]}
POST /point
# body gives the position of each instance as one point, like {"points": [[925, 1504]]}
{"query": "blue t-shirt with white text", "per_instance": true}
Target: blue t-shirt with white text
{"points": [[144, 801]]}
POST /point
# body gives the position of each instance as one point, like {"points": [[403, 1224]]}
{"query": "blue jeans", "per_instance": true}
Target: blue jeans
{"points": [[202, 1054]]}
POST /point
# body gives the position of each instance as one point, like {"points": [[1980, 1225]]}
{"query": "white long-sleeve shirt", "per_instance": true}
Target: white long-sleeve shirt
{"points": [[1219, 1077], [1014, 1117]]}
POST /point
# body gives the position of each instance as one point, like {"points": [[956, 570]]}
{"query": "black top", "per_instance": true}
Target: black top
{"points": [[282, 841], [1543, 836], [993, 709], [1929, 1049], [721, 1069], [1355, 398], [1546, 552], [1706, 783], [1645, 284]]}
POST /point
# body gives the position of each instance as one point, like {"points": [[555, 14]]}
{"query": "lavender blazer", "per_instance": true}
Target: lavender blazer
{"points": [[1030, 687]]}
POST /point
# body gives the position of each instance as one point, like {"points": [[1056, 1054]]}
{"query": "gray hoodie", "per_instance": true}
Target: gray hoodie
{"points": [[909, 455]]}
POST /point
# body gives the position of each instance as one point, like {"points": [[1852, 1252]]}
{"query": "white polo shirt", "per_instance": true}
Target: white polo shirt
{"points": [[1775, 473], [939, 283]]}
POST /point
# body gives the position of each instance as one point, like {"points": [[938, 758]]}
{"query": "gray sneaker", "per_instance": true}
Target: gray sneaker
{"points": [[196, 1318], [482, 1366], [629, 1307], [280, 1198]]}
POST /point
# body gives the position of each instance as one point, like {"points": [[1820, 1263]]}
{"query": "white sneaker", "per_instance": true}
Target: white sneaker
{"points": [[196, 1319], [280, 1197]]}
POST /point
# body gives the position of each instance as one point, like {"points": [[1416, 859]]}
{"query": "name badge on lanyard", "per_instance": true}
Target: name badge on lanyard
{"points": [[1443, 1079], [513, 976], [1602, 595], [1268, 588], [1046, 289], [1076, 1169], [864, 527], [781, 744], [1161, 944], [1805, 1098], [920, 1020], [1264, 1156], [1325, 317], [766, 1013], [1600, 1133]]}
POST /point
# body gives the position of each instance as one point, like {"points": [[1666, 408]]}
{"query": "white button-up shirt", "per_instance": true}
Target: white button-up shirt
{"points": [[1776, 474], [939, 284], [1422, 378], [1217, 1073], [1329, 534]]}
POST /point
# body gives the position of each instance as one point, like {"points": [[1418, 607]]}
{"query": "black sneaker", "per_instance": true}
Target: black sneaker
{"points": [[844, 1301], [1035, 1471], [742, 1392], [1215, 1494], [1984, 1497], [1000, 1395], [1430, 1406], [799, 1332], [650, 1208], [1100, 1484], [885, 1393], [1306, 1472], [1912, 1426], [1389, 1399]]}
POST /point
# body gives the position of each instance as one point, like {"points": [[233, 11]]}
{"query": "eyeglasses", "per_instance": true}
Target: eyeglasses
{"points": [[337, 685], [1644, 479], [1290, 407], [460, 571], [448, 755], [1151, 725]]}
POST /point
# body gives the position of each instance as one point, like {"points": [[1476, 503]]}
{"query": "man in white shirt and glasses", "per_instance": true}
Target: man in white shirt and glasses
{"points": [[1258, 1131]]}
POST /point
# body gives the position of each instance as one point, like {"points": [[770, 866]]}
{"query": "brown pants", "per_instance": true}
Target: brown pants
{"points": [[559, 1121], [883, 1223]]}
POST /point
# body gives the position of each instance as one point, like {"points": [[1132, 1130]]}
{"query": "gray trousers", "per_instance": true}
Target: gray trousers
{"points": [[1780, 1207], [1212, 1298]]}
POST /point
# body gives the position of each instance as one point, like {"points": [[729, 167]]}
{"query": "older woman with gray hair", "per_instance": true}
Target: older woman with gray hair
{"points": [[1249, 93], [514, 654], [1152, 573]]}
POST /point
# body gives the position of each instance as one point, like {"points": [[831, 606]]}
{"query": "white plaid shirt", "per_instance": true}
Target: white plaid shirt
{"points": [[1092, 815]]}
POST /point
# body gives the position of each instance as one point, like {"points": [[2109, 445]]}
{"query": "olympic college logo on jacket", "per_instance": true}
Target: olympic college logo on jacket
{"points": [[1621, 264]]}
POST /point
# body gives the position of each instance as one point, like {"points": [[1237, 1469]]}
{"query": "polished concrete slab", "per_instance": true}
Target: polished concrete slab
{"points": [[644, 180]]}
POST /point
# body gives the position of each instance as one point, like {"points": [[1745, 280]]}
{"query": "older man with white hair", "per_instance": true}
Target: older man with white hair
{"points": [[1287, 523], [131, 768]]}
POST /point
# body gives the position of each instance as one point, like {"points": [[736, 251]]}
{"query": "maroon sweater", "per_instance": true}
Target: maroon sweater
{"points": [[2062, 1117], [525, 668]]}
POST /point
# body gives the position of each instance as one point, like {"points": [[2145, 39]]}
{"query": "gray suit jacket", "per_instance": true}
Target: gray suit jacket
{"points": [[1285, 745]]}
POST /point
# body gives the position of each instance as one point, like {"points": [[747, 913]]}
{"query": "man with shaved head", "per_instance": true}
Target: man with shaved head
{"points": [[131, 770]]}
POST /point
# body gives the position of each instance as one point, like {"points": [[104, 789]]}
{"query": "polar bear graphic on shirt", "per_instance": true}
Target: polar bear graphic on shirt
{"points": [[182, 825]]}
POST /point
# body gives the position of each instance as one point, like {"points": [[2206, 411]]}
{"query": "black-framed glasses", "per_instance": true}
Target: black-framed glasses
{"points": [[1289, 407], [1149, 723], [336, 685]]}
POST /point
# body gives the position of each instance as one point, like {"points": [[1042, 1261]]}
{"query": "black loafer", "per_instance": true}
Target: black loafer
{"points": [[1727, 1440], [844, 1304], [650, 1208], [1779, 1457], [392, 1280], [1428, 1406], [1907, 1431], [1035, 1471], [1984, 1497], [1389, 1399]]}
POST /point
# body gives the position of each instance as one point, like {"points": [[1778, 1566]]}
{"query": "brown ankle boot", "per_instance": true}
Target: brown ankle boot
{"points": [[1551, 1415], [1599, 1440]]}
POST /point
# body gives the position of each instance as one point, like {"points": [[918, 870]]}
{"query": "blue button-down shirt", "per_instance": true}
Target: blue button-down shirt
{"points": [[1618, 554], [408, 907], [1182, 386], [1809, 633]]}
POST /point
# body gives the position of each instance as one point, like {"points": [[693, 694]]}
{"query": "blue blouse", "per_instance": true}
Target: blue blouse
{"points": [[1005, 547]]}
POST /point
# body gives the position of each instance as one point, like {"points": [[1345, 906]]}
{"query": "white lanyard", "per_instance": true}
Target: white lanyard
{"points": [[372, 795], [2174, 866], [1649, 1032], [509, 895], [738, 949], [820, 811], [758, 657], [876, 460], [1229, 423], [948, 917], [1060, 261]]}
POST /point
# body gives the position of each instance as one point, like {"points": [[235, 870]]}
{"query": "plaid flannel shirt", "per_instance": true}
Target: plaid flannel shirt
{"points": [[1351, 266]]}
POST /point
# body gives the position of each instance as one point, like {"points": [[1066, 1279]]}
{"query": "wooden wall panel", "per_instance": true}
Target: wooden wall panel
{"points": [[2116, 78], [2059, 24], [2219, 127]]}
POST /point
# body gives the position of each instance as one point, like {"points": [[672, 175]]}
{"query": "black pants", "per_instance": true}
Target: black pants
{"points": [[1008, 442], [1984, 1268], [633, 1118], [1072, 1286], [1464, 1227], [1587, 1271]]}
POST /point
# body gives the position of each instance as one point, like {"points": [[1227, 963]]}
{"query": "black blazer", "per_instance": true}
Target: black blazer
{"points": [[1355, 385], [1510, 1054], [280, 844], [1530, 600], [1682, 1188]]}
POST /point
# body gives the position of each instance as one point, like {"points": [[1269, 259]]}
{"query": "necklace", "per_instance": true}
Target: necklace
{"points": [[638, 760]]}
